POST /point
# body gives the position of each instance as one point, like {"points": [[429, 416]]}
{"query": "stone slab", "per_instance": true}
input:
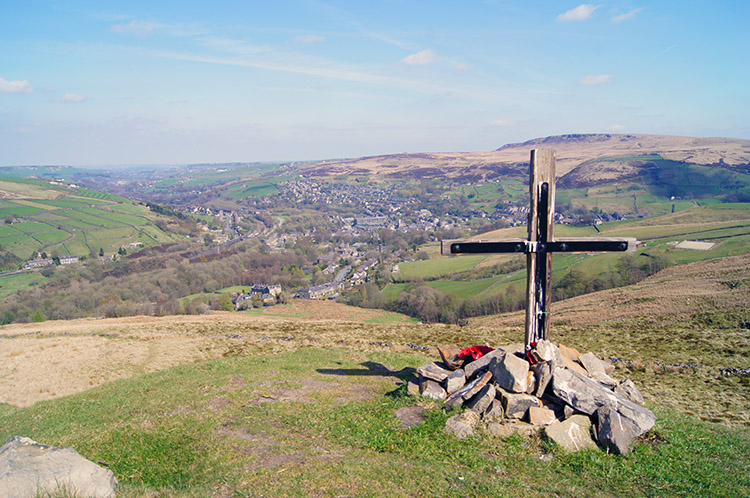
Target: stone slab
{"points": [[510, 428], [570, 359], [482, 363], [29, 469], [462, 424], [434, 371], [455, 381], [431, 389], [482, 400], [457, 398], [511, 373], [614, 432], [628, 390], [573, 434], [595, 369], [587, 396], [516, 405], [541, 416]]}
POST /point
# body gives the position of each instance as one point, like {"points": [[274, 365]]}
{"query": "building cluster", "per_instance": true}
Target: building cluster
{"points": [[266, 295]]}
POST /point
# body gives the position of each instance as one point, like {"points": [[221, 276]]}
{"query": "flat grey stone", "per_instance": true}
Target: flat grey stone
{"points": [[434, 371], [29, 469], [573, 434], [482, 363], [628, 390], [595, 369], [546, 351], [587, 396], [462, 424], [511, 428], [516, 405], [412, 387], [482, 400], [539, 415], [431, 389], [455, 381], [511, 373], [543, 373], [614, 432], [473, 387], [494, 411]]}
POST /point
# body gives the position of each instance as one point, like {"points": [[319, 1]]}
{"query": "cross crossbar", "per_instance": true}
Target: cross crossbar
{"points": [[539, 246], [564, 244]]}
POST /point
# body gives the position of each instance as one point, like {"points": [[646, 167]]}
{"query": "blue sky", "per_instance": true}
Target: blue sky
{"points": [[106, 83]]}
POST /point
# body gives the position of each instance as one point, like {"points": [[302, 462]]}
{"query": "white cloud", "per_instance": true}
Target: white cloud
{"points": [[72, 97], [580, 13], [17, 86], [309, 39], [595, 79], [627, 15], [618, 127], [501, 123], [137, 28], [420, 58], [464, 67]]}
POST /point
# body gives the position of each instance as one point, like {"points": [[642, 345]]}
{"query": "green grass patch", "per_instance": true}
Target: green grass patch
{"points": [[11, 284], [32, 226], [316, 422], [18, 211], [8, 231], [433, 268]]}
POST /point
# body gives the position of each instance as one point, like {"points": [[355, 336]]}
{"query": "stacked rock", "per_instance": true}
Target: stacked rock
{"points": [[571, 395]]}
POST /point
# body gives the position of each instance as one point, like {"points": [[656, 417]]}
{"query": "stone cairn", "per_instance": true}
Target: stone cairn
{"points": [[571, 396]]}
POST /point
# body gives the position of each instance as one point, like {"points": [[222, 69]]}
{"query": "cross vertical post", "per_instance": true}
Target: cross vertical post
{"points": [[538, 258], [539, 246]]}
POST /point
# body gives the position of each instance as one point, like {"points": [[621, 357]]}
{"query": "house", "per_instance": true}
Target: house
{"points": [[324, 291], [270, 290], [68, 260], [38, 263]]}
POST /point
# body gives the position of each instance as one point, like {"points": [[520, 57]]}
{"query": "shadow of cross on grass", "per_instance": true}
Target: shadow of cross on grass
{"points": [[371, 368]]}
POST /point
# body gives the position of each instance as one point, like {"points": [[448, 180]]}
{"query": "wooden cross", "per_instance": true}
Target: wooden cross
{"points": [[539, 246]]}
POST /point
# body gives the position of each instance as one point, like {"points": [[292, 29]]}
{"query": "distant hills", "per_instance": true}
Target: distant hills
{"points": [[603, 157]]}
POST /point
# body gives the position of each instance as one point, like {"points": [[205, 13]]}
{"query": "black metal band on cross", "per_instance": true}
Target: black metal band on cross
{"points": [[526, 247]]}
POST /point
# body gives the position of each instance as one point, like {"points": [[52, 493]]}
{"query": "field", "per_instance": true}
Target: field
{"points": [[313, 403], [72, 221], [726, 224]]}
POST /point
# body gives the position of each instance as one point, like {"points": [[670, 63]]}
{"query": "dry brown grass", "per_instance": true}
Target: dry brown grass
{"points": [[671, 333]]}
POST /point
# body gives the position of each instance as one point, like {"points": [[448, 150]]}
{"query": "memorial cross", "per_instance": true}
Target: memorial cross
{"points": [[539, 246]]}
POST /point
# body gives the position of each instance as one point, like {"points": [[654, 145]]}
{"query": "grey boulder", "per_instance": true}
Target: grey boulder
{"points": [[29, 469]]}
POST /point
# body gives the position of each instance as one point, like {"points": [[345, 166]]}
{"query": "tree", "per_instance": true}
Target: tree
{"points": [[225, 302], [101, 252], [37, 316]]}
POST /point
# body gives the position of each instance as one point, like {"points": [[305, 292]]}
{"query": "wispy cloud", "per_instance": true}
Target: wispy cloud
{"points": [[580, 13], [421, 58], [337, 73], [72, 97], [137, 28], [664, 51], [17, 86], [310, 39], [464, 67], [627, 15], [595, 79], [501, 123]]}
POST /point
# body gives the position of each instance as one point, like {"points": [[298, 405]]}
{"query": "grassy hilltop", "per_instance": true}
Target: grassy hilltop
{"points": [[49, 216], [303, 401]]}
